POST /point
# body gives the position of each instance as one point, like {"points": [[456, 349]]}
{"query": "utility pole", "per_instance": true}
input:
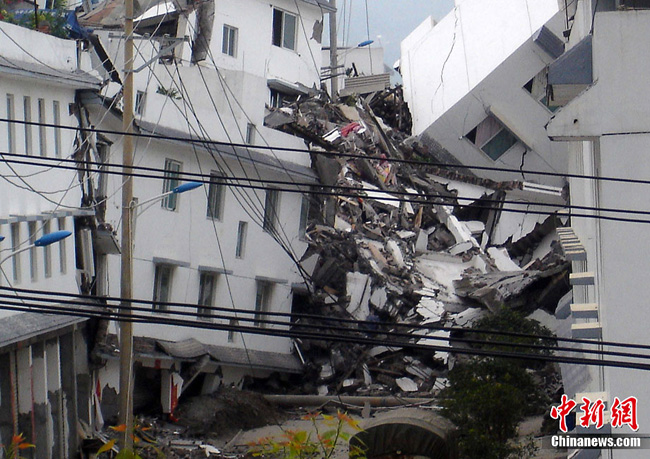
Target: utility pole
{"points": [[126, 280], [334, 82]]}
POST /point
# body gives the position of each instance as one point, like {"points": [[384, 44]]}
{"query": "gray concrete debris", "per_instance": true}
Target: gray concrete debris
{"points": [[412, 248]]}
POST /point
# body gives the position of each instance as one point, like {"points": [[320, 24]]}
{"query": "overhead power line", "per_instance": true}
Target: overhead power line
{"points": [[147, 318], [364, 325], [203, 141], [345, 191]]}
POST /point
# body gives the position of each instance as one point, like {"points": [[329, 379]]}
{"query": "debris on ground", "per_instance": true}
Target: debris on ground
{"points": [[406, 249]]}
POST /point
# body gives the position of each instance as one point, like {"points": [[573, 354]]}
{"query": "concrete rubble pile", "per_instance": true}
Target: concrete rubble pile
{"points": [[402, 247]]}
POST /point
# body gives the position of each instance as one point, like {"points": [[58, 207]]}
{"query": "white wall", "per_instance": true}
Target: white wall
{"points": [[476, 62], [442, 66], [28, 192], [188, 236], [606, 125]]}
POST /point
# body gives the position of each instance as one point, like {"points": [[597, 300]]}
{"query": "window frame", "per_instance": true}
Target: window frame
{"points": [[240, 246], [27, 117], [11, 127], [56, 117], [216, 198], [263, 298], [47, 251], [250, 133], [63, 254], [171, 180], [229, 40], [139, 102], [279, 37], [271, 210], [14, 229], [158, 278], [42, 132], [33, 253], [305, 206], [471, 137], [205, 300]]}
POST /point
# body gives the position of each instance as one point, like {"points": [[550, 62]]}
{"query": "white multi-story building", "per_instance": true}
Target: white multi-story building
{"points": [[607, 132], [44, 377], [233, 243], [476, 85]]}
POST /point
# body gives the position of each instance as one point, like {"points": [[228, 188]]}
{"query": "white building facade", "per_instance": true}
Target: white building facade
{"points": [[44, 376], [235, 242], [475, 85], [606, 130]]}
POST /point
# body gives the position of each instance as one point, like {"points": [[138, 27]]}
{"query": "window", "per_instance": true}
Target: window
{"points": [[33, 267], [284, 29], [229, 43], [140, 97], [279, 98], [241, 239], [207, 287], [491, 137], [15, 245], [216, 194], [171, 181], [56, 117], [271, 210], [42, 135], [11, 127], [232, 333], [162, 287], [250, 133], [262, 301], [47, 252], [537, 87], [63, 264], [27, 116], [304, 217]]}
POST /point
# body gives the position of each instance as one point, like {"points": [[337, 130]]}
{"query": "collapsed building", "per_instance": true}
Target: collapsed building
{"points": [[409, 248]]}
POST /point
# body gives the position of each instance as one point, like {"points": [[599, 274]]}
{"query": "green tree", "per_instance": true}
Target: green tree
{"points": [[488, 397]]}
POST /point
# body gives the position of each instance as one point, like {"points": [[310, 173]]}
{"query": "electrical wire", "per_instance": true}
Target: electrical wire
{"points": [[362, 325], [426, 164], [355, 192], [278, 332]]}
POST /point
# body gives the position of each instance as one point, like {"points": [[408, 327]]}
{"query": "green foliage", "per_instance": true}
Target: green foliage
{"points": [[52, 21], [507, 320], [142, 443], [488, 397], [171, 92], [300, 444], [18, 444]]}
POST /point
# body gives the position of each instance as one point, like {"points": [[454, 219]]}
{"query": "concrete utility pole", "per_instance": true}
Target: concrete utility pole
{"points": [[334, 82], [126, 282]]}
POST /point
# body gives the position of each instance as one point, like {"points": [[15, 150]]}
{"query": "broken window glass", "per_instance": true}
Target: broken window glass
{"points": [[491, 137]]}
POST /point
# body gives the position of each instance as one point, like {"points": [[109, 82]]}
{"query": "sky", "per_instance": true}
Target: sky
{"points": [[390, 21]]}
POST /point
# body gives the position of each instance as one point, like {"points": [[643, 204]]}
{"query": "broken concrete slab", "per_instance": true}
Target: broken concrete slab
{"points": [[358, 289]]}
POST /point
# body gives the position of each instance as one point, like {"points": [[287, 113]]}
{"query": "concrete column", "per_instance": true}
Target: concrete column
{"points": [[69, 388], [7, 399], [42, 416], [84, 380], [55, 396], [24, 387]]}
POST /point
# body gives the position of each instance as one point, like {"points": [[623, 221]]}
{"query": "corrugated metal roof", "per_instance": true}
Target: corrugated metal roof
{"points": [[75, 80], [30, 325], [231, 356]]}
